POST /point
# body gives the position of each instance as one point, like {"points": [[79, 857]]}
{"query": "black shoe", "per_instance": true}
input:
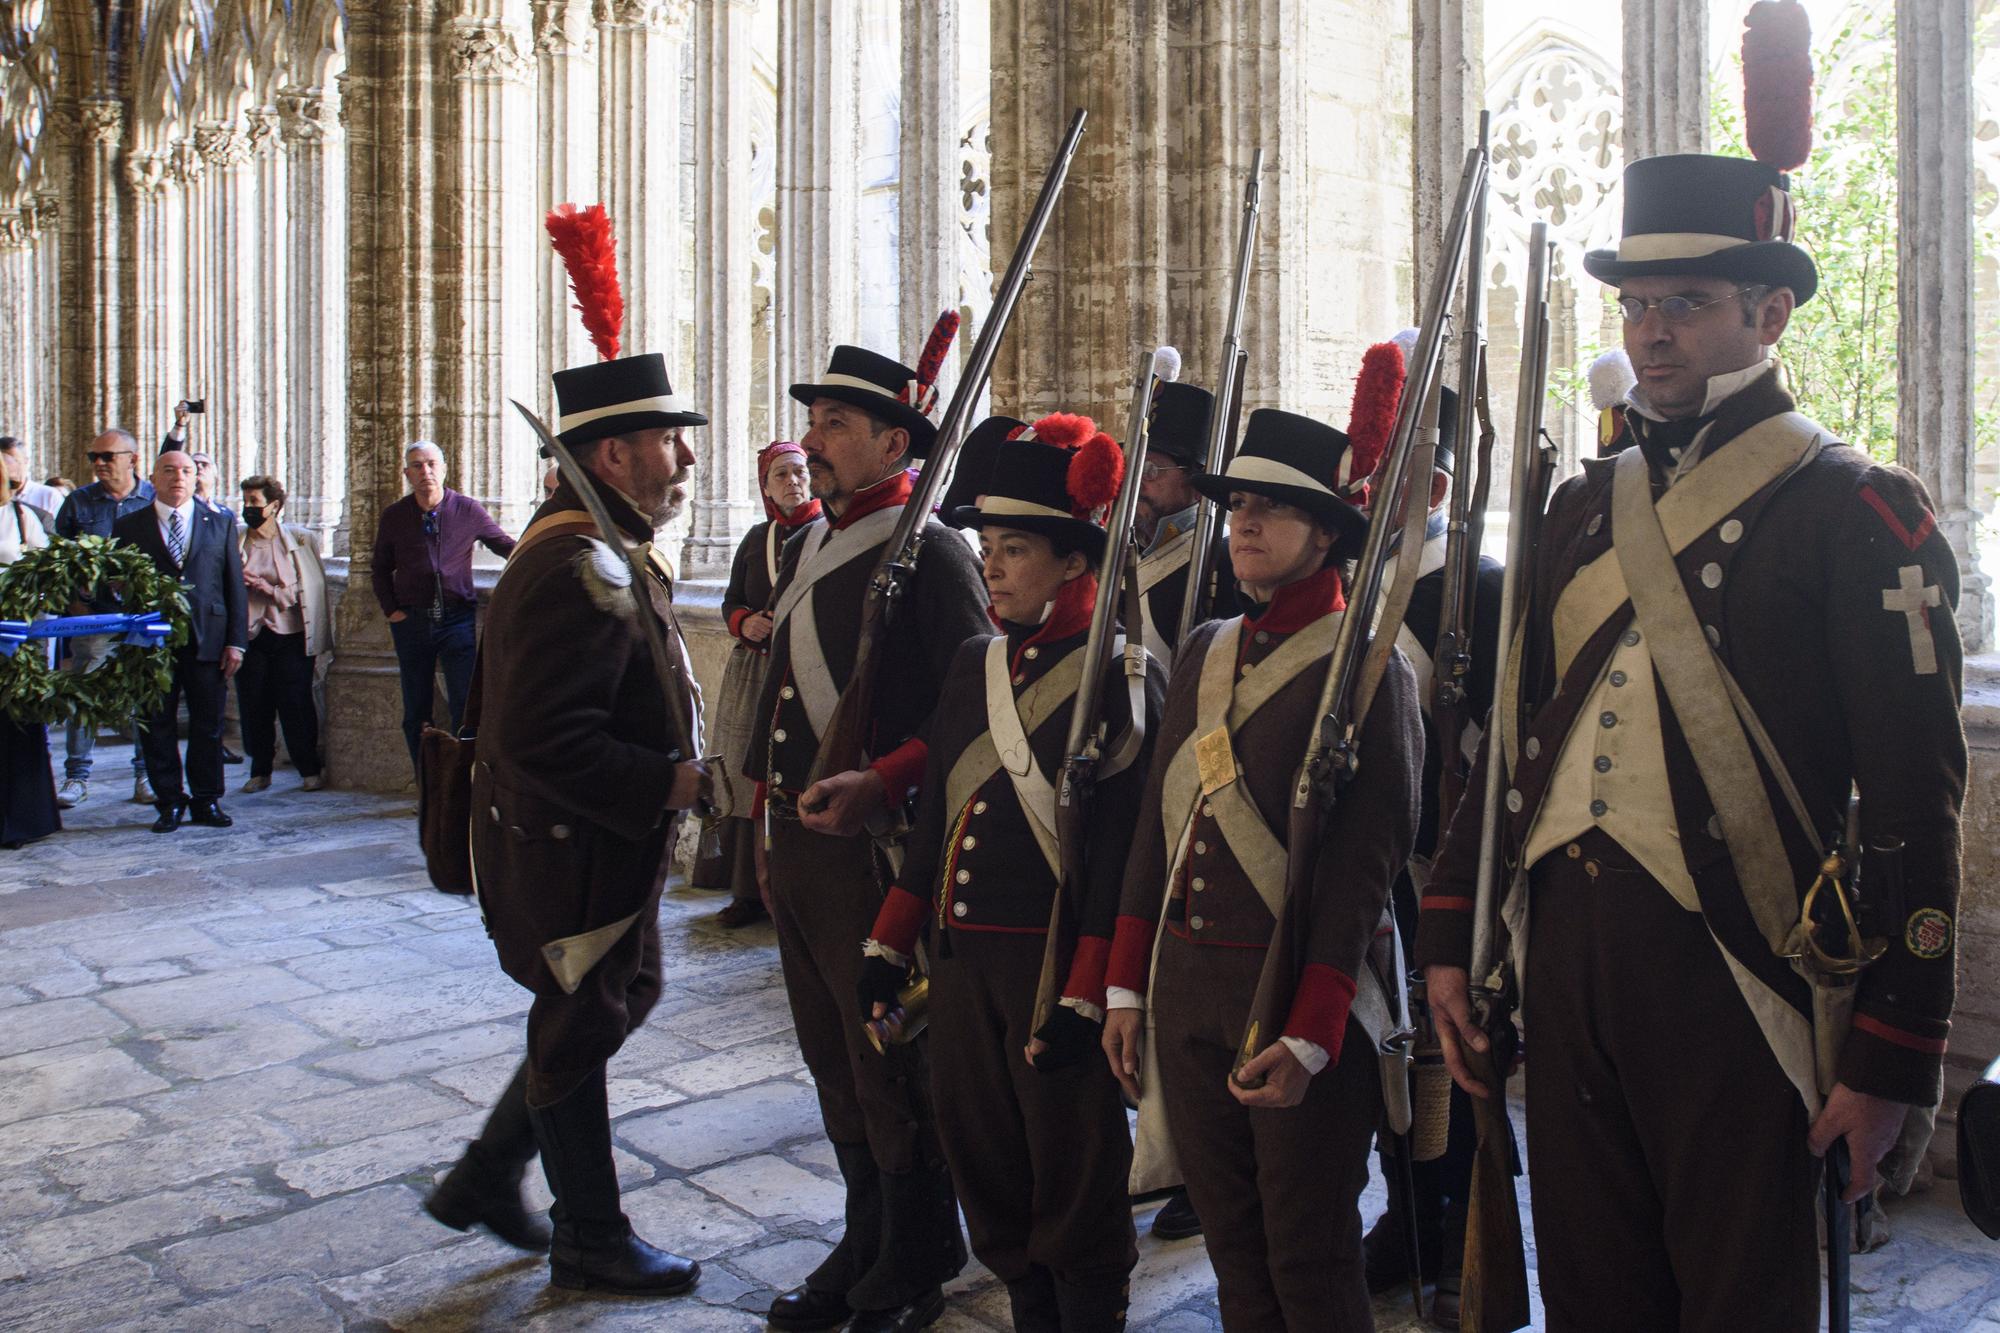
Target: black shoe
{"points": [[475, 1195], [1176, 1219], [802, 1309], [631, 1266], [919, 1313], [169, 820], [230, 756], [1094, 1300], [209, 814], [1385, 1254], [740, 913], [1031, 1299]]}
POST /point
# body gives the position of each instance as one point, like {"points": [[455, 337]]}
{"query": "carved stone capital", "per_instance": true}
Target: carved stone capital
{"points": [[146, 170], [48, 210], [103, 120], [263, 134], [305, 115], [222, 145], [184, 164], [564, 28], [17, 230], [484, 49], [650, 15]]}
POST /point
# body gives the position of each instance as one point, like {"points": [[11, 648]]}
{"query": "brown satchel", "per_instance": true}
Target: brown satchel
{"points": [[444, 759]]}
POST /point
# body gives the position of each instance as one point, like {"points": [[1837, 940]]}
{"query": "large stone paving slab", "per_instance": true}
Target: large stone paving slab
{"points": [[227, 1079]]}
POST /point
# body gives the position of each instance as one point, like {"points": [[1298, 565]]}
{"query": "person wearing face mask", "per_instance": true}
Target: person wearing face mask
{"points": [[1275, 1169], [289, 630], [746, 607], [1030, 1120]]}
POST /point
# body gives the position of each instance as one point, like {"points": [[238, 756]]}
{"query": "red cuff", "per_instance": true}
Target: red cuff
{"points": [[1131, 960], [1086, 970], [736, 619], [902, 769], [900, 920], [1320, 1008]]}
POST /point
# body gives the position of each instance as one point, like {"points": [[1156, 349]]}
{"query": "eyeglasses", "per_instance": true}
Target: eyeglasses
{"points": [[105, 456], [1673, 309], [1153, 471]]}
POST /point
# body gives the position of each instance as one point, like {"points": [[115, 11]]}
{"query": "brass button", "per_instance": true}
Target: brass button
{"points": [[1533, 749], [777, 779], [1199, 883], [1596, 522], [1196, 922], [1207, 810], [963, 877], [969, 843], [979, 807], [1201, 849], [788, 693], [1711, 575], [1574, 851], [1032, 654], [1592, 869], [1515, 801], [779, 735], [1732, 531], [958, 908], [1263, 636]]}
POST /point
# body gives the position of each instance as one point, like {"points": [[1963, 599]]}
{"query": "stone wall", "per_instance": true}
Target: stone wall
{"points": [[1975, 1027]]}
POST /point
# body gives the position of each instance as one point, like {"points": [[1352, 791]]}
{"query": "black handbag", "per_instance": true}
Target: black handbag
{"points": [[1979, 1151]]}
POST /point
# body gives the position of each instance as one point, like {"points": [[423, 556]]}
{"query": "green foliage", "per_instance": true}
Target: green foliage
{"points": [[1840, 351], [48, 581]]}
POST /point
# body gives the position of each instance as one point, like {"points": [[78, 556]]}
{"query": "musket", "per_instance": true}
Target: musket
{"points": [[673, 680], [1228, 403], [1332, 757], [1494, 1289], [1452, 659], [1083, 749], [841, 748]]}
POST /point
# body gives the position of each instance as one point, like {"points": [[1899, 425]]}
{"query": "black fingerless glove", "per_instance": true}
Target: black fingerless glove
{"points": [[880, 980], [1071, 1038]]}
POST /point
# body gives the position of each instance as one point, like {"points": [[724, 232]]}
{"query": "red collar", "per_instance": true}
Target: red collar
{"points": [[1070, 617], [892, 490], [795, 520], [1297, 605]]}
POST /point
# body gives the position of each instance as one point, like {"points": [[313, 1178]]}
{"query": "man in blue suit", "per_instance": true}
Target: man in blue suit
{"points": [[196, 545]]}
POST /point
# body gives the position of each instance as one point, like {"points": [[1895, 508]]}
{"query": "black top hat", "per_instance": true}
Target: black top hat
{"points": [[1294, 460], [607, 398], [889, 389], [1704, 215], [1055, 478], [974, 468], [1178, 427]]}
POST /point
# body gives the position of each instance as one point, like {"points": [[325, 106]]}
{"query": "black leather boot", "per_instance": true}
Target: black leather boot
{"points": [[1385, 1249], [1094, 1300], [919, 1312], [484, 1189], [1032, 1297], [922, 1247], [593, 1244], [1177, 1219], [821, 1300]]}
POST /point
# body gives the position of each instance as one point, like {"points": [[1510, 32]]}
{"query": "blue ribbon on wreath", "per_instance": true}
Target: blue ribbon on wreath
{"points": [[147, 630]]}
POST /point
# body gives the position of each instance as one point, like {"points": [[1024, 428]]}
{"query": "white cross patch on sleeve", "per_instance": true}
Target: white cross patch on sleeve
{"points": [[1912, 599]]}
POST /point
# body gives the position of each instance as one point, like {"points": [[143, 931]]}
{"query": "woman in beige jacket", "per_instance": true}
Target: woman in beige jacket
{"points": [[289, 629]]}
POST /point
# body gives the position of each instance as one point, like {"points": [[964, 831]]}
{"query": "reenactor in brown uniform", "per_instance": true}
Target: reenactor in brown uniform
{"points": [[827, 872], [1040, 1154], [577, 795], [1275, 1172], [1734, 622], [1176, 451]]}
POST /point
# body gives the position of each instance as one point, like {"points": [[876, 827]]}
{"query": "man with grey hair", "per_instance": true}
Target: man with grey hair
{"points": [[90, 511], [19, 485], [422, 578]]}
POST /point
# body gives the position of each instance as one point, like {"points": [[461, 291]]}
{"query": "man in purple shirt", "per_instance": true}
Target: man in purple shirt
{"points": [[423, 581]]}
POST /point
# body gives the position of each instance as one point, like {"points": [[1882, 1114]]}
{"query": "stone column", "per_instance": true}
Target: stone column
{"points": [[1934, 298], [817, 189], [566, 140], [499, 244], [17, 294], [638, 161], [316, 315], [271, 449], [90, 315], [63, 449], [1448, 45], [927, 198], [725, 485], [153, 258], [1666, 77], [229, 429], [189, 292]]}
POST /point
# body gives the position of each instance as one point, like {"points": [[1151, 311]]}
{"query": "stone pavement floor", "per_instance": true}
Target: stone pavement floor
{"points": [[231, 1062]]}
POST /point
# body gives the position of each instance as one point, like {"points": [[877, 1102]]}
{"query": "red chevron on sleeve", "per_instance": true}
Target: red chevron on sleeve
{"points": [[1911, 540]]}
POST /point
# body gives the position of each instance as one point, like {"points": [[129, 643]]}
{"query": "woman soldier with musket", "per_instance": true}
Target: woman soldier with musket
{"points": [[1039, 1154], [1275, 1155]]}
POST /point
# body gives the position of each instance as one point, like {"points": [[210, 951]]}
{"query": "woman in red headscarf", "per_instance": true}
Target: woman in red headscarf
{"points": [[746, 606]]}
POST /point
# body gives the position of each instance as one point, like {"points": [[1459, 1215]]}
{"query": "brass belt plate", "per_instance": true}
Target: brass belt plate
{"points": [[1215, 760]]}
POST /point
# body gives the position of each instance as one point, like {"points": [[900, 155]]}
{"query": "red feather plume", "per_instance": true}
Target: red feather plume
{"points": [[583, 239], [1377, 390], [937, 347], [1778, 83], [1067, 430], [1095, 471]]}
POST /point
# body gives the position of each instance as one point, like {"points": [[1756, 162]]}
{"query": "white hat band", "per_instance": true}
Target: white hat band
{"points": [[1273, 473], [1645, 249], [1000, 505], [569, 421]]}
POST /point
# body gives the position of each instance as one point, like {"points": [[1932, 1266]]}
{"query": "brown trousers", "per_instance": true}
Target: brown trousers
{"points": [[1040, 1159], [1278, 1191], [570, 1036], [1673, 1191], [826, 892]]}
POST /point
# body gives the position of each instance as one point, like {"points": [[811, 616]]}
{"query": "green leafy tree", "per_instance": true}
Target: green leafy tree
{"points": [[1840, 352]]}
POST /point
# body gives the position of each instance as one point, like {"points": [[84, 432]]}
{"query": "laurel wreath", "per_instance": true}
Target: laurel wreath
{"points": [[49, 581]]}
